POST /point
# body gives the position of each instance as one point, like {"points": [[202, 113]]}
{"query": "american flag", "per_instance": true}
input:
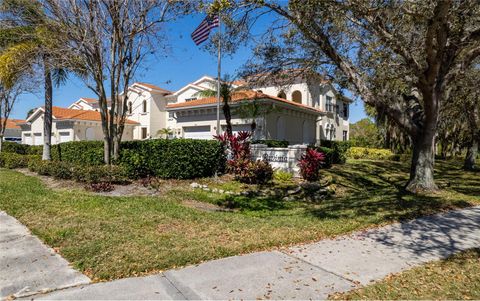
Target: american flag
{"points": [[203, 30]]}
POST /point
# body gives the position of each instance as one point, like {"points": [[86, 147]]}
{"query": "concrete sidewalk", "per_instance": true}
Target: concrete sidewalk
{"points": [[310, 271], [27, 266]]}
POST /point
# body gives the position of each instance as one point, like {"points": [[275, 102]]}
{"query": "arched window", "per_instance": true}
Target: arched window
{"points": [[282, 94], [259, 91], [144, 106], [280, 128], [297, 96], [130, 107], [89, 134]]}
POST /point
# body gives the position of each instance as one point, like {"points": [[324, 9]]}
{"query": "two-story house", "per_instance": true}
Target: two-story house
{"points": [[303, 110]]}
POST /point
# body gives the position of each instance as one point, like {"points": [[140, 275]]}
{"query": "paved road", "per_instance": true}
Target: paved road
{"points": [[310, 271]]}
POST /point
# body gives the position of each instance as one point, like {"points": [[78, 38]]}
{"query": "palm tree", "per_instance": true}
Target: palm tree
{"points": [[29, 41], [226, 91], [253, 110], [165, 132]]}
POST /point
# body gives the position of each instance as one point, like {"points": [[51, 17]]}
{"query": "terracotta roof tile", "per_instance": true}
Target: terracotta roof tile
{"points": [[239, 96], [89, 100], [64, 113], [153, 87], [13, 123]]}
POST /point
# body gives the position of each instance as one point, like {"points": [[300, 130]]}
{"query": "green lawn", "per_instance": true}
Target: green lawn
{"points": [[455, 278], [115, 237]]}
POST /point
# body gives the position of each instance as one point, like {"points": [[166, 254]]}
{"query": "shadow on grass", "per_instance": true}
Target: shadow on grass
{"points": [[375, 189]]}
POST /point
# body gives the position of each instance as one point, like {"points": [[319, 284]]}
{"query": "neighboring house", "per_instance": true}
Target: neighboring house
{"points": [[301, 109], [13, 132], [313, 91], [286, 120], [147, 106], [85, 103], [68, 125], [308, 102]]}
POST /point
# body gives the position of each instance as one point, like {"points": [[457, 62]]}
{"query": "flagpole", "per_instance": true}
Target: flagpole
{"points": [[219, 65]]}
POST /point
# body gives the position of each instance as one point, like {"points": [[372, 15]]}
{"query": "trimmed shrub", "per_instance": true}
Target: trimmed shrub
{"points": [[97, 174], [339, 150], [14, 160], [252, 172], [329, 155], [371, 153], [176, 158], [12, 147], [272, 143]]}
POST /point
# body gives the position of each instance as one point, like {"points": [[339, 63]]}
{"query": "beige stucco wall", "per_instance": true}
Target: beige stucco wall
{"points": [[80, 130], [71, 130]]}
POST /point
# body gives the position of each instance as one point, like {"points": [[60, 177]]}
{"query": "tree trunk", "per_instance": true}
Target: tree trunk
{"points": [[1, 143], [228, 118], [116, 148], [47, 120], [106, 149], [423, 159], [471, 156]]}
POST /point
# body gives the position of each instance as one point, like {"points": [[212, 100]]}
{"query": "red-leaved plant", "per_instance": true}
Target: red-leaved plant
{"points": [[239, 159], [310, 164]]}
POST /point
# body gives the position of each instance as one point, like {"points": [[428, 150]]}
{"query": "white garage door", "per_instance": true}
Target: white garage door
{"points": [[65, 137], [28, 139], [37, 139], [197, 132]]}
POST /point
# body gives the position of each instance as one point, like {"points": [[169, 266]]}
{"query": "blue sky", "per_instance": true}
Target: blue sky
{"points": [[183, 63]]}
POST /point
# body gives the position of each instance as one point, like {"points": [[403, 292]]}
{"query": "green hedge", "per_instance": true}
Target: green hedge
{"points": [[80, 173], [272, 143], [12, 147], [14, 160], [329, 155], [372, 154], [175, 158], [339, 149]]}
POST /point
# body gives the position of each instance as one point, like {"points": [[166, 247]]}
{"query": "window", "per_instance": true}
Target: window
{"points": [[297, 96], [130, 107], [337, 109], [282, 94], [345, 110], [144, 133], [259, 91], [144, 106], [345, 135], [329, 104], [190, 99], [171, 115], [330, 132]]}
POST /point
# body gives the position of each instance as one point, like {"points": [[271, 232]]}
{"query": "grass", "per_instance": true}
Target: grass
{"points": [[116, 237], [455, 278]]}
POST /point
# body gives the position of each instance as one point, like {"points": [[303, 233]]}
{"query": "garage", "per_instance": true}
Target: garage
{"points": [[28, 139], [239, 128], [37, 139], [197, 132], [65, 137]]}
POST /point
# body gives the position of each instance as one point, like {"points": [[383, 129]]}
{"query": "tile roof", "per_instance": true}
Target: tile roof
{"points": [[153, 87], [237, 97], [89, 100], [64, 113], [13, 123]]}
